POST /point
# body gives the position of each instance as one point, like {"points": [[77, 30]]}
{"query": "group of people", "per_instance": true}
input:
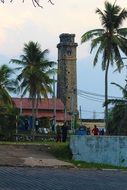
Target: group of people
{"points": [[62, 132]]}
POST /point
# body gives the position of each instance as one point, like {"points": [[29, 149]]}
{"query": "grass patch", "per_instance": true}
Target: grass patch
{"points": [[87, 165], [61, 151]]}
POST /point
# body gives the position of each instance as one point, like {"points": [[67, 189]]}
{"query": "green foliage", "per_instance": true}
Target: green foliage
{"points": [[8, 121], [7, 84], [45, 123], [7, 111], [99, 166], [117, 118], [61, 151]]}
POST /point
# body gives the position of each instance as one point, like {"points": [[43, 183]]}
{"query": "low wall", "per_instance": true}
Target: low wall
{"points": [[100, 149]]}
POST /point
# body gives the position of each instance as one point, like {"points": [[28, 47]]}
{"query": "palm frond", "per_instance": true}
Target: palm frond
{"points": [[115, 101], [16, 61], [124, 91], [120, 18], [91, 34], [122, 31], [95, 42], [99, 50]]}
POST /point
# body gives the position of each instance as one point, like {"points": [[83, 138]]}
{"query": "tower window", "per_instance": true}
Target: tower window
{"points": [[69, 52]]}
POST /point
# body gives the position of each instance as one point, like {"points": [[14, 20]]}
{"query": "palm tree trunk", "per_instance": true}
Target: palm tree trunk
{"points": [[36, 114], [106, 95], [37, 107], [33, 117]]}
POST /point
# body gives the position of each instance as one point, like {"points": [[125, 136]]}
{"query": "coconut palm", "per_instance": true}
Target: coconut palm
{"points": [[7, 84], [110, 41], [35, 75]]}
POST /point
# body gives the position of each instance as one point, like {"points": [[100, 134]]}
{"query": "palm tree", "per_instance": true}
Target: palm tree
{"points": [[7, 84], [110, 41], [35, 75]]}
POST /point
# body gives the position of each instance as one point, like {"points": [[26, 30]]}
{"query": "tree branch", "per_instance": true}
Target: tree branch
{"points": [[36, 3]]}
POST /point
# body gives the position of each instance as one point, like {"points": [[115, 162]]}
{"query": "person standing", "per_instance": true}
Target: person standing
{"points": [[58, 136], [95, 130], [64, 132]]}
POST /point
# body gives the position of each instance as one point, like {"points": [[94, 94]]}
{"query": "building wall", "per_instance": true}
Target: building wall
{"points": [[90, 124], [110, 150]]}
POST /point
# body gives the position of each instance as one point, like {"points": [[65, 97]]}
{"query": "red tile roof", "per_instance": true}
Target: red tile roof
{"points": [[45, 108], [45, 104]]}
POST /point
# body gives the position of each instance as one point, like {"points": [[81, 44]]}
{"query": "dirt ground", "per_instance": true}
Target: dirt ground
{"points": [[29, 155]]}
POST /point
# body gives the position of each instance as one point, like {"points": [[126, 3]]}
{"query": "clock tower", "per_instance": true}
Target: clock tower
{"points": [[67, 73]]}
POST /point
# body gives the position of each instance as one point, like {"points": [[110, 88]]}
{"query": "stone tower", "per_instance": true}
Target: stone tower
{"points": [[67, 73]]}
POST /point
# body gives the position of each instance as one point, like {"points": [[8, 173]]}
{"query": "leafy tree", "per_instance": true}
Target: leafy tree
{"points": [[35, 2], [35, 75], [7, 113], [118, 114], [8, 121], [110, 41]]}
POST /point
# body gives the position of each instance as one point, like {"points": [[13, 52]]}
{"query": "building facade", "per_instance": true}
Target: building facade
{"points": [[67, 72], [45, 109]]}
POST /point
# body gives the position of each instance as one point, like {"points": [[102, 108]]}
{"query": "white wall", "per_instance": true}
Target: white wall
{"points": [[100, 149]]}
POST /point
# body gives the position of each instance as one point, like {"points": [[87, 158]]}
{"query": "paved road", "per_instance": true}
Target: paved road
{"points": [[19, 178]]}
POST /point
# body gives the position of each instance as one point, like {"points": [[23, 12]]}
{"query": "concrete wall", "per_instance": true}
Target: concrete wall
{"points": [[100, 149]]}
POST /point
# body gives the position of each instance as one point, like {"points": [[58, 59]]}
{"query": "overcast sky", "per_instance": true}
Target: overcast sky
{"points": [[22, 22]]}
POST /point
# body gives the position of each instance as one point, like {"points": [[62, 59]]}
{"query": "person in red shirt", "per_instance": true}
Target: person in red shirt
{"points": [[95, 130]]}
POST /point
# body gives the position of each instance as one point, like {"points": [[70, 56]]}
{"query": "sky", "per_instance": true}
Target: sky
{"points": [[22, 22]]}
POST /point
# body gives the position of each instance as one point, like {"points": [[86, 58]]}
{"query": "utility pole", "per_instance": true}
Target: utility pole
{"points": [[80, 113], [20, 105], [20, 100], [16, 127], [65, 114], [72, 111], [94, 115]]}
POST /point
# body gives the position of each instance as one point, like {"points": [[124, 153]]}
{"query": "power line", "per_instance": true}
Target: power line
{"points": [[91, 98], [95, 94]]}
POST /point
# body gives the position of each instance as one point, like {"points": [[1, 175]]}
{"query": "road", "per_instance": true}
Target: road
{"points": [[25, 178]]}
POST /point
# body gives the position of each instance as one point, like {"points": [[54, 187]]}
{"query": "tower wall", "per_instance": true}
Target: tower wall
{"points": [[67, 72]]}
